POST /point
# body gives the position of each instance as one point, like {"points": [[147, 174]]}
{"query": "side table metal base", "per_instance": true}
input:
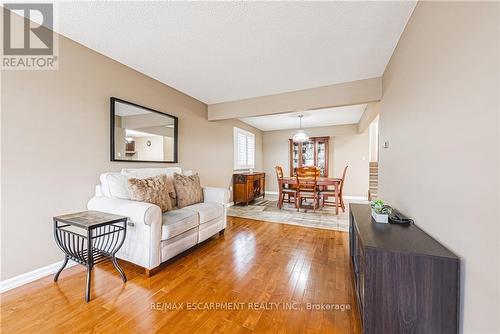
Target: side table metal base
{"points": [[89, 282], [65, 262], [119, 269], [103, 238]]}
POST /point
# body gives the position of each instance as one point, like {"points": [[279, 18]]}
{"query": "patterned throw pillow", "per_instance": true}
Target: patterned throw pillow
{"points": [[154, 190], [188, 189], [171, 191]]}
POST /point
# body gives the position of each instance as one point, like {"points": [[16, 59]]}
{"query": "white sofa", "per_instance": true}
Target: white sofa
{"points": [[153, 237]]}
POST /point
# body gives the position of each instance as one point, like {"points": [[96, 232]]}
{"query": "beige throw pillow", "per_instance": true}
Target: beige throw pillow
{"points": [[188, 189], [171, 191], [155, 190]]}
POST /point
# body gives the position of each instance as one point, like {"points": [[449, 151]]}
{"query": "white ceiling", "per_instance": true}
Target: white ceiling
{"points": [[311, 119], [222, 51], [124, 109], [138, 134]]}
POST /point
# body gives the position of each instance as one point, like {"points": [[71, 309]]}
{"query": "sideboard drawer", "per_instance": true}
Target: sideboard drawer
{"points": [[240, 179], [248, 186]]}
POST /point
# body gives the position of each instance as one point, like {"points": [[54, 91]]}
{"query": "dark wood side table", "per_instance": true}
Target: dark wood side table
{"points": [[88, 238], [248, 186]]}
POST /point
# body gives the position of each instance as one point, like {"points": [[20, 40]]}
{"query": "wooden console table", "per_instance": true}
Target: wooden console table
{"points": [[406, 282], [248, 186]]}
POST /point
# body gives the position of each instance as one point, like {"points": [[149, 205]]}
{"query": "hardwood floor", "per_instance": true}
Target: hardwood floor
{"points": [[254, 262]]}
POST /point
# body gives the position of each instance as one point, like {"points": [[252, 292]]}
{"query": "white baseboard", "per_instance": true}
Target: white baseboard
{"points": [[33, 275], [357, 198]]}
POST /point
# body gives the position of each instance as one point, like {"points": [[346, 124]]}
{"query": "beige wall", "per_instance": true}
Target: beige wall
{"points": [[440, 113], [347, 147], [374, 145], [168, 148], [119, 138], [55, 143], [153, 152]]}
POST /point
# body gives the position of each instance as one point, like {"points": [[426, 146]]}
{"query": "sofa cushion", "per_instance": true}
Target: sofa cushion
{"points": [[209, 229], [188, 189], [114, 185], [142, 173], [178, 244], [153, 190], [207, 211], [176, 222]]}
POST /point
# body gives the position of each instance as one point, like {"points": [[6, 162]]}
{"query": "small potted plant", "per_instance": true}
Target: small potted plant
{"points": [[380, 211]]}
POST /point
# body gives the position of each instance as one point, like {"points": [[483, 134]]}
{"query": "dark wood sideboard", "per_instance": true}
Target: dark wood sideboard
{"points": [[406, 282], [248, 186]]}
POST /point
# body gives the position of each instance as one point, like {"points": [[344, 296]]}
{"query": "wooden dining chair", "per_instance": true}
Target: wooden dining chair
{"points": [[325, 194], [283, 190], [307, 186]]}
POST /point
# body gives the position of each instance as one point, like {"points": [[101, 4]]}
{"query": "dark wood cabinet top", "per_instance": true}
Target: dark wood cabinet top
{"points": [[394, 237], [249, 174]]}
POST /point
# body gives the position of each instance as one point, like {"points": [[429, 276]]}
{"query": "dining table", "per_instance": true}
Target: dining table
{"points": [[321, 181]]}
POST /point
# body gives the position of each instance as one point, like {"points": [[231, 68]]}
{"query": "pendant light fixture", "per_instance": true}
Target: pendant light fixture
{"points": [[300, 136]]}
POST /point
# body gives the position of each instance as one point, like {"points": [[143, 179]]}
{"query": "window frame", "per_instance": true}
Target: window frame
{"points": [[237, 165]]}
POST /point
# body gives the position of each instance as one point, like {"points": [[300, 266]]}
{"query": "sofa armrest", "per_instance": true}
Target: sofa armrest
{"points": [[142, 243], [138, 212], [215, 195]]}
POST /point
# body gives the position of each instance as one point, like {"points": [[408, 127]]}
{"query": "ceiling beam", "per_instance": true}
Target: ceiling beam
{"points": [[371, 112], [343, 94]]}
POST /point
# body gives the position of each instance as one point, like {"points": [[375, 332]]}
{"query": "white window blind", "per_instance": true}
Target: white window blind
{"points": [[244, 149]]}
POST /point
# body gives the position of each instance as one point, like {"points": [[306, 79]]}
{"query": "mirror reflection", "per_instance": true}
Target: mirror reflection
{"points": [[142, 134]]}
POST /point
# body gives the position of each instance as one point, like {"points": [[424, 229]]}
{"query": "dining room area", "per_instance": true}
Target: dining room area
{"points": [[307, 189], [306, 199]]}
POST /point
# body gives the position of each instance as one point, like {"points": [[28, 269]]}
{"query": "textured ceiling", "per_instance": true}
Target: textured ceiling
{"points": [[222, 51]]}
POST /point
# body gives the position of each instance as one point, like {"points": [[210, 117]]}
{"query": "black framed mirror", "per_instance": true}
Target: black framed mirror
{"points": [[142, 134]]}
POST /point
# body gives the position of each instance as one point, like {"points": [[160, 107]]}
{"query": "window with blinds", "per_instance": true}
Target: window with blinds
{"points": [[244, 149]]}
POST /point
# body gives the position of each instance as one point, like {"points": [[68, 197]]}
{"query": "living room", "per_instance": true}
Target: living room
{"points": [[410, 86]]}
